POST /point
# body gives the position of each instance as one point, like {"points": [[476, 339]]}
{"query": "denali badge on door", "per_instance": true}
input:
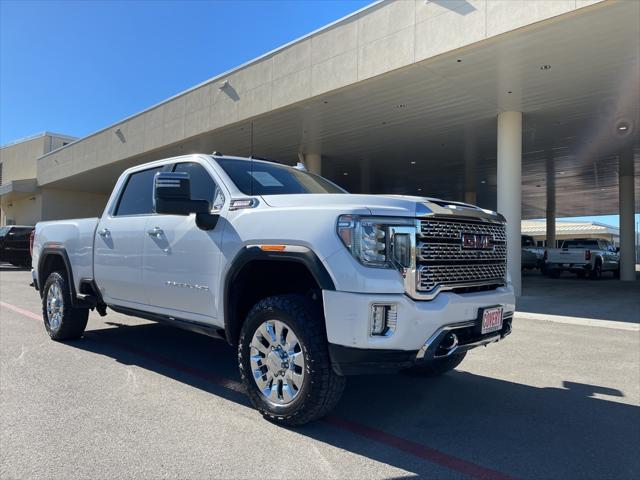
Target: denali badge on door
{"points": [[491, 320]]}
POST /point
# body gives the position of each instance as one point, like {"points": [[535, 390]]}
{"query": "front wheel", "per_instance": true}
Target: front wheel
{"points": [[438, 366], [61, 319], [284, 361]]}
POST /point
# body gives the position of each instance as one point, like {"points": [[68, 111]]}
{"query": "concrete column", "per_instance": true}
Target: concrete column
{"points": [[470, 152], [551, 201], [313, 162], [365, 175], [510, 188], [627, 221]]}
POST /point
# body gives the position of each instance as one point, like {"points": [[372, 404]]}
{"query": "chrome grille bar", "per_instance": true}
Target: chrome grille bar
{"points": [[451, 252], [453, 229], [433, 276]]}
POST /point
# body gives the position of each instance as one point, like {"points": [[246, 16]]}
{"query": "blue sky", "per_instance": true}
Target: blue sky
{"points": [[75, 67]]}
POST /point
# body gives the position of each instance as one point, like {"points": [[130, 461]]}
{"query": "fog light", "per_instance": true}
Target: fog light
{"points": [[384, 319]]}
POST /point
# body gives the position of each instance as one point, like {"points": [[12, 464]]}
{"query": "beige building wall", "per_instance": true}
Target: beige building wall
{"points": [[62, 204], [20, 160], [24, 211]]}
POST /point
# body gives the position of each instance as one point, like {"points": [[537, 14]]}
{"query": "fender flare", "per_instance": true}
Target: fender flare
{"points": [[250, 253], [48, 251]]}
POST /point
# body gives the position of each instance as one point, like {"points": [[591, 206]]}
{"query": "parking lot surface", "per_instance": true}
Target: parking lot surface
{"points": [[133, 399]]}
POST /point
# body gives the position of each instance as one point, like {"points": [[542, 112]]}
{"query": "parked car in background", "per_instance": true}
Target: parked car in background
{"points": [[14, 245], [532, 256], [583, 256]]}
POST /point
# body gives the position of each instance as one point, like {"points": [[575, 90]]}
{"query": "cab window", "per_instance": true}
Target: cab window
{"points": [[203, 187], [137, 196]]}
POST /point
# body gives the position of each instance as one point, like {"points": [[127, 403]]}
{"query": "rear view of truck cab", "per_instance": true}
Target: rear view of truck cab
{"points": [[310, 283]]}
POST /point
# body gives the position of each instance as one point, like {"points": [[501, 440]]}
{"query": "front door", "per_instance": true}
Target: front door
{"points": [[119, 243], [181, 262]]}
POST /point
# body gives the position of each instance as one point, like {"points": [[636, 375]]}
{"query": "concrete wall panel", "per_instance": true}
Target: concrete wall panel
{"points": [[295, 58], [292, 88], [19, 160], [385, 20], [334, 42], [255, 102], [450, 30], [335, 72], [388, 53], [197, 122], [252, 76], [503, 16]]}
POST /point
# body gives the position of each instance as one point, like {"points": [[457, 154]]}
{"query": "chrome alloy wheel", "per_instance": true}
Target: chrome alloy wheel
{"points": [[55, 305], [277, 362]]}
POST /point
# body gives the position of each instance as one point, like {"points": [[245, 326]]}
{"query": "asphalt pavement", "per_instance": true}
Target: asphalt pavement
{"points": [[134, 399]]}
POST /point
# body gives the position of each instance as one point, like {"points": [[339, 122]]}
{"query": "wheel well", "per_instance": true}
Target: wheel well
{"points": [[259, 279], [51, 263]]}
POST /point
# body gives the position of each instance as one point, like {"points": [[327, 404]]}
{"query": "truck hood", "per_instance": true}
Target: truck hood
{"points": [[383, 205]]}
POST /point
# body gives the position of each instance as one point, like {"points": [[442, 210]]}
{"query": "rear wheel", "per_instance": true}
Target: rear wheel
{"points": [[284, 361], [61, 319], [596, 273], [438, 366]]}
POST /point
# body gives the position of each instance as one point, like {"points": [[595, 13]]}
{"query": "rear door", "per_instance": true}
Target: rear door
{"points": [[181, 262], [119, 242]]}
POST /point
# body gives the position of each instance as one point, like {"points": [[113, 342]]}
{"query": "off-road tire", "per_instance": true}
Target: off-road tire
{"points": [[437, 367], [74, 320], [322, 387]]}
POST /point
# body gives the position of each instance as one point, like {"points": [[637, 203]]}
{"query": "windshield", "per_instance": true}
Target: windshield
{"points": [[3, 231], [263, 178]]}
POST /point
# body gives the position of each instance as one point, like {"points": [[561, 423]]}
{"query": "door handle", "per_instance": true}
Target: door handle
{"points": [[155, 232], [104, 232]]}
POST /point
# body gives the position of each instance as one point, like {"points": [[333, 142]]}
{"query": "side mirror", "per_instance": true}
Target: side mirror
{"points": [[617, 249], [172, 196]]}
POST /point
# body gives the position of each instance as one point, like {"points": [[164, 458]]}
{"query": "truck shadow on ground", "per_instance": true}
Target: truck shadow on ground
{"points": [[520, 430]]}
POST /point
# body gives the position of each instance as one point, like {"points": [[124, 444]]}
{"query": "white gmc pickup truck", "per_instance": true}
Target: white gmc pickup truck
{"points": [[309, 282]]}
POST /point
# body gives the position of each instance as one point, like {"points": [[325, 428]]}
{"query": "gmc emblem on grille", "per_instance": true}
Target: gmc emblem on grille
{"points": [[476, 242]]}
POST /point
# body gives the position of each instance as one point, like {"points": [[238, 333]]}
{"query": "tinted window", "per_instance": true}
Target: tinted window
{"points": [[580, 244], [527, 241], [22, 233], [137, 198], [263, 178], [202, 185]]}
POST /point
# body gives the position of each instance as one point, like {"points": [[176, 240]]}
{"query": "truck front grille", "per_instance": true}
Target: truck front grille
{"points": [[443, 261]]}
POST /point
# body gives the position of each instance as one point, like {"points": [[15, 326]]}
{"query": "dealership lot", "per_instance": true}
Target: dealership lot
{"points": [[135, 399]]}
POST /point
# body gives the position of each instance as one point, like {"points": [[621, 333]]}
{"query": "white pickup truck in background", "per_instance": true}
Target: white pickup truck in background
{"points": [[309, 282], [583, 256]]}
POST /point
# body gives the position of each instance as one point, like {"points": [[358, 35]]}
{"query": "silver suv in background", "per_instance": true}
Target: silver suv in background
{"points": [[532, 256]]}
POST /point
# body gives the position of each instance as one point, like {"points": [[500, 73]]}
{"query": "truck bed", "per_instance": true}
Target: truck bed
{"points": [[76, 236]]}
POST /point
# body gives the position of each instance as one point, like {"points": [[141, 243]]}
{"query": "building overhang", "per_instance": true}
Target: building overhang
{"points": [[18, 189]]}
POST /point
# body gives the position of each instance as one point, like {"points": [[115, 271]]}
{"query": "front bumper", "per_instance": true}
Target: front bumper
{"points": [[421, 326]]}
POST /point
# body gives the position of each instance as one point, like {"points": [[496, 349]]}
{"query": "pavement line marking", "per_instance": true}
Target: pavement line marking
{"points": [[408, 446], [584, 322], [21, 311]]}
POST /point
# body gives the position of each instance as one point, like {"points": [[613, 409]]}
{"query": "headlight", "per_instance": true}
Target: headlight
{"points": [[373, 240]]}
